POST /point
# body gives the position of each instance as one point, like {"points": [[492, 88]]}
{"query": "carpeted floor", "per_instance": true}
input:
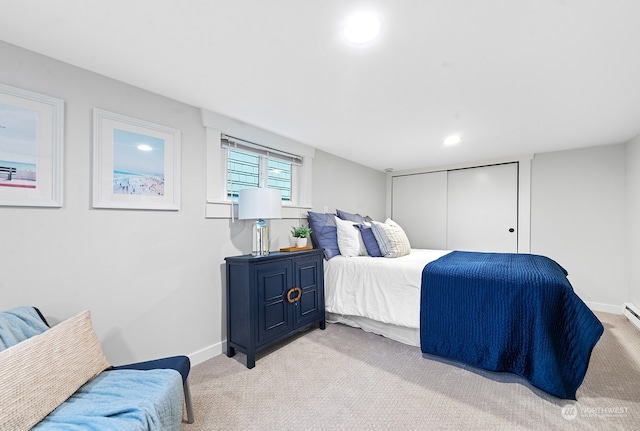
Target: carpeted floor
{"points": [[347, 379]]}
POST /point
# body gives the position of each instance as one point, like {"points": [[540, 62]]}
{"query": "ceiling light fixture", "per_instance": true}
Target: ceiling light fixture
{"points": [[362, 27], [452, 140], [144, 147]]}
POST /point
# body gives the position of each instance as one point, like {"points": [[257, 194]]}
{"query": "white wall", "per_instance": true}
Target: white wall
{"points": [[574, 202], [147, 276], [340, 184], [577, 219], [153, 280], [632, 229]]}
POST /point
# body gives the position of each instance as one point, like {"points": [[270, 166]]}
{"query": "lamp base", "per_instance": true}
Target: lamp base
{"points": [[260, 238]]}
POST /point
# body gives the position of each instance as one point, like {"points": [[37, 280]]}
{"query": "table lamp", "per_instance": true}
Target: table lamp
{"points": [[259, 204]]}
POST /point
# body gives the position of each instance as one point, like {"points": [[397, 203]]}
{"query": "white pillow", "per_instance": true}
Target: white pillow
{"points": [[350, 241], [392, 239], [41, 372]]}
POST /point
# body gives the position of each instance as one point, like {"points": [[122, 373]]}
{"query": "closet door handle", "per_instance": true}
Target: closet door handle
{"points": [[512, 230], [297, 297]]}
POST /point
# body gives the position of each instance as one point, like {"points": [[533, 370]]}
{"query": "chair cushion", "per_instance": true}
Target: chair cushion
{"points": [[181, 364], [47, 369]]}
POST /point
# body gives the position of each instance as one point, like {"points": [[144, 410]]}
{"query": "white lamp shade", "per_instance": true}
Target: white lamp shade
{"points": [[259, 203]]}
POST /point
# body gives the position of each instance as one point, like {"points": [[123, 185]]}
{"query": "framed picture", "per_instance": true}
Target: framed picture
{"points": [[31, 148], [136, 164]]}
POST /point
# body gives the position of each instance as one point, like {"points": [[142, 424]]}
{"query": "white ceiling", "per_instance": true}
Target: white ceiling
{"points": [[512, 77]]}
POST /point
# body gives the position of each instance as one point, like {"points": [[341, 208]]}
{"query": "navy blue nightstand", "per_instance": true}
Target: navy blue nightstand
{"points": [[270, 298]]}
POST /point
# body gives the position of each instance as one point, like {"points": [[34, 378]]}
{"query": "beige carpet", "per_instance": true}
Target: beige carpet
{"points": [[347, 379]]}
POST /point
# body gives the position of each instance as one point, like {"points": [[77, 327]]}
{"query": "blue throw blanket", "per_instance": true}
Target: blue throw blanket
{"points": [[508, 312], [18, 324], [123, 400]]}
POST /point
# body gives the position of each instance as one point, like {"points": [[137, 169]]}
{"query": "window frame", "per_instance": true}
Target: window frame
{"points": [[216, 206]]}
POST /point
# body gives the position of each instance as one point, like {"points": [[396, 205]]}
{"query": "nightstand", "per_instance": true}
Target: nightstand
{"points": [[270, 298]]}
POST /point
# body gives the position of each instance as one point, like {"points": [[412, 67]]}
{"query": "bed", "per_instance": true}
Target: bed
{"points": [[378, 295], [502, 312]]}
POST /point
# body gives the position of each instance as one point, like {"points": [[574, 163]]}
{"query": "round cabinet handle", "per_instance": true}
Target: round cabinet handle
{"points": [[512, 230], [297, 297]]}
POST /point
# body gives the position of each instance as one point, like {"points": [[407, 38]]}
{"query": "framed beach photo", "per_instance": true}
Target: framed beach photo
{"points": [[136, 164], [31, 148]]}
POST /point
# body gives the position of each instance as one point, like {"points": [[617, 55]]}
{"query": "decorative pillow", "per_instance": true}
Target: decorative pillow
{"points": [[392, 239], [323, 233], [46, 369], [350, 241], [357, 218], [369, 239]]}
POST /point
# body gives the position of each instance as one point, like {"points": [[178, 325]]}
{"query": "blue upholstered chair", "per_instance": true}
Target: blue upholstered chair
{"points": [[181, 364]]}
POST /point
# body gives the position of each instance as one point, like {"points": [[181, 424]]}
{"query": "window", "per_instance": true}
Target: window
{"points": [[242, 172], [279, 177], [255, 166], [297, 170]]}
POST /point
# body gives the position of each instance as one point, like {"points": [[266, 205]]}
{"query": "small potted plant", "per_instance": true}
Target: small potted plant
{"points": [[300, 233]]}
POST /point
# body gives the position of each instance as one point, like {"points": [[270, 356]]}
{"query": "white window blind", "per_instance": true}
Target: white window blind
{"points": [[251, 165]]}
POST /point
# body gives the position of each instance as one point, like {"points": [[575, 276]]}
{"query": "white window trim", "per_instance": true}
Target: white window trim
{"points": [[217, 205]]}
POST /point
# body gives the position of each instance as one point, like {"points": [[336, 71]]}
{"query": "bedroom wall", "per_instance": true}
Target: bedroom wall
{"points": [[632, 232], [347, 186], [149, 277], [578, 219], [153, 280]]}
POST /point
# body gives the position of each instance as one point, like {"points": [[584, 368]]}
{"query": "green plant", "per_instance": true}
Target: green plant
{"points": [[300, 231]]}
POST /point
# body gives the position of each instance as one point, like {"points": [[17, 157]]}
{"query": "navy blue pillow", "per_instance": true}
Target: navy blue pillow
{"points": [[356, 218], [324, 233], [370, 242]]}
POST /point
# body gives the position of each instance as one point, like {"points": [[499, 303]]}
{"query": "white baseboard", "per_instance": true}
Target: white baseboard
{"points": [[632, 313], [207, 353], [605, 308]]}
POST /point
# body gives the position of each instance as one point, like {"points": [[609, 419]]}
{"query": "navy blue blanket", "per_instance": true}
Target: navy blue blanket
{"points": [[508, 312]]}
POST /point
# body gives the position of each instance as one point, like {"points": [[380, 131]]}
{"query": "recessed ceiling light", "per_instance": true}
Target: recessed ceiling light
{"points": [[452, 140], [144, 147], [362, 27]]}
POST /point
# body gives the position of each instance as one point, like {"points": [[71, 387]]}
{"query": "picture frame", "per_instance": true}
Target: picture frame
{"points": [[31, 148], [136, 163]]}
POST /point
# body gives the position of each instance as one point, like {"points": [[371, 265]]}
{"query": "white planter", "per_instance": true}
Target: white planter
{"points": [[301, 242]]}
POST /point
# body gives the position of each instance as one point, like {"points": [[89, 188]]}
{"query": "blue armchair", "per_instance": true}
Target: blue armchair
{"points": [[178, 363], [181, 364]]}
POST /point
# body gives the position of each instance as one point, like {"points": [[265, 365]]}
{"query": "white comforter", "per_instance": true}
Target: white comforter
{"points": [[378, 288]]}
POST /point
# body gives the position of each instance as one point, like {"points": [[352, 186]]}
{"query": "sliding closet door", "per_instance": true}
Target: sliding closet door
{"points": [[483, 209], [419, 205]]}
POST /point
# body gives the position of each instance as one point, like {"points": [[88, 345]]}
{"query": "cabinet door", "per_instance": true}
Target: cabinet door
{"points": [[308, 277], [274, 313]]}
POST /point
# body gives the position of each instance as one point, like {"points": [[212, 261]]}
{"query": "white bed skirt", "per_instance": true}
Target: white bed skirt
{"points": [[403, 334]]}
